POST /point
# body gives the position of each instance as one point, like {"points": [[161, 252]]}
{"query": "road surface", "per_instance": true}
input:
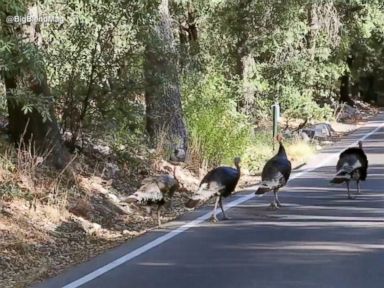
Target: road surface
{"points": [[318, 240]]}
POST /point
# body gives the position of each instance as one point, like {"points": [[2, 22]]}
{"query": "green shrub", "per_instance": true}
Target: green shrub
{"points": [[216, 130], [302, 106], [260, 150]]}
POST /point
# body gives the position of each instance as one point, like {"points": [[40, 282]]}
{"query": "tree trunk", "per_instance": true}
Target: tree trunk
{"points": [[188, 37], [372, 96], [30, 128], [312, 24], [164, 117], [246, 105], [242, 54], [345, 85], [192, 29], [344, 90]]}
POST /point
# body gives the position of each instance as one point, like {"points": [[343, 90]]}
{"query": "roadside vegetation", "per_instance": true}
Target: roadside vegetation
{"points": [[99, 99]]}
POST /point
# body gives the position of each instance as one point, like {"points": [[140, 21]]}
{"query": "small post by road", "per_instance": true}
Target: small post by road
{"points": [[275, 117]]}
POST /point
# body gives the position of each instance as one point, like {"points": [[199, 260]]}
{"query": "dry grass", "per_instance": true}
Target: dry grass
{"points": [[57, 218], [299, 151], [196, 162], [159, 152], [163, 149], [261, 151]]}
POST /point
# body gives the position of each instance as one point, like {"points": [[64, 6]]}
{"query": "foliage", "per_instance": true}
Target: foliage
{"points": [[296, 105], [260, 151], [16, 54], [95, 65], [219, 131], [244, 56]]}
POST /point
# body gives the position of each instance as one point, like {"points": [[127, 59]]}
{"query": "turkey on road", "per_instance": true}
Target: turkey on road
{"points": [[219, 182], [157, 191], [275, 174], [352, 165]]}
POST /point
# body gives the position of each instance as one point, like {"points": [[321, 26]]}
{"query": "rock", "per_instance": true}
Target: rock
{"points": [[94, 228], [110, 170], [178, 155], [102, 149], [67, 136], [5, 210], [320, 131], [126, 232], [351, 113], [113, 198], [81, 208], [304, 136]]}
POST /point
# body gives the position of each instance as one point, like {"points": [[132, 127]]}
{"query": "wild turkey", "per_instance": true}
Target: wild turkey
{"points": [[219, 182], [275, 174], [157, 191], [352, 165]]}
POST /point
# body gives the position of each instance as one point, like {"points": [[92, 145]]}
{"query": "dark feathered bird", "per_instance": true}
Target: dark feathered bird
{"points": [[157, 191], [219, 182], [352, 165], [275, 174]]}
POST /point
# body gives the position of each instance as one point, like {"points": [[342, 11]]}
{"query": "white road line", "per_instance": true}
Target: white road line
{"points": [[194, 223]]}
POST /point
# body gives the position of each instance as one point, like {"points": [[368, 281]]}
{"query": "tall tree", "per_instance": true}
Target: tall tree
{"points": [[345, 84], [187, 18], [164, 113], [27, 124]]}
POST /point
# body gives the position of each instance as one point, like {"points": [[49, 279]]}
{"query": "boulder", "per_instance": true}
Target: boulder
{"points": [[321, 131]]}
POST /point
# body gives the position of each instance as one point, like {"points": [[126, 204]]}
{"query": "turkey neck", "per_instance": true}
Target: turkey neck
{"points": [[238, 168], [360, 145], [281, 151]]}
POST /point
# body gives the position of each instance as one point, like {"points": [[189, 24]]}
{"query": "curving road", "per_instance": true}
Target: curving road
{"points": [[318, 240]]}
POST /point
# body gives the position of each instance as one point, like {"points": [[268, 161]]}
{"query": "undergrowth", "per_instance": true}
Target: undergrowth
{"points": [[23, 174], [261, 150], [217, 131]]}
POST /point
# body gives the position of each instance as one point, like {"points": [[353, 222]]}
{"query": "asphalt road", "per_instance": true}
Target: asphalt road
{"points": [[319, 239]]}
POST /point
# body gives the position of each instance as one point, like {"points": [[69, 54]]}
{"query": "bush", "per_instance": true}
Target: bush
{"points": [[261, 150], [258, 152], [298, 105], [217, 131]]}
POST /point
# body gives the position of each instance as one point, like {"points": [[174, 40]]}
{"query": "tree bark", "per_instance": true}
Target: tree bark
{"points": [[312, 24], [192, 29], [30, 128], [242, 53], [164, 116], [345, 85], [188, 37], [344, 90]]}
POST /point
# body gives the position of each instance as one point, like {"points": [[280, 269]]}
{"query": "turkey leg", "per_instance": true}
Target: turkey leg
{"points": [[358, 187], [349, 192], [274, 204], [158, 216], [214, 218], [222, 209], [277, 200]]}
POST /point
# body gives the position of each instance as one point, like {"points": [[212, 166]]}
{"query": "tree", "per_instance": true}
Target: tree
{"points": [[164, 113], [31, 116], [345, 84]]}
